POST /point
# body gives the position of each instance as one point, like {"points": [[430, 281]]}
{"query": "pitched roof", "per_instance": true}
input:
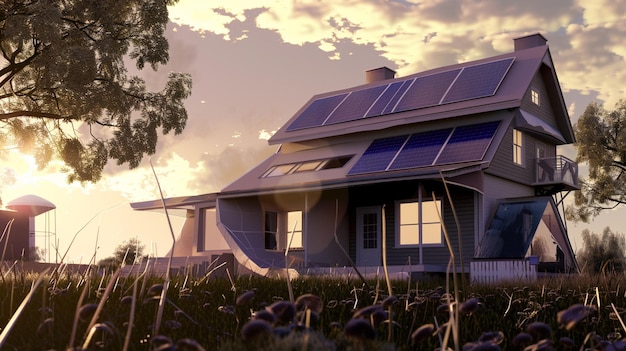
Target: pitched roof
{"points": [[490, 84]]}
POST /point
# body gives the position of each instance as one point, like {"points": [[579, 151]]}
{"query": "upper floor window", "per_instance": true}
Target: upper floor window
{"points": [[518, 147], [534, 96], [419, 224]]}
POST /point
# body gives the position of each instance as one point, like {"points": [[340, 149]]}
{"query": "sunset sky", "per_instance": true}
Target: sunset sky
{"points": [[255, 63]]}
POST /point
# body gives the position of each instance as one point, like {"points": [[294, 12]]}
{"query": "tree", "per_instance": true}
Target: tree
{"points": [[64, 88], [129, 251], [601, 143], [603, 254]]}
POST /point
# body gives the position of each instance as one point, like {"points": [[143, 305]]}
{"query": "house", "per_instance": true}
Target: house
{"points": [[461, 158]]}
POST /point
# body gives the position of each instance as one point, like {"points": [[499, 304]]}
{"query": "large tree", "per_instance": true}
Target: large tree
{"points": [[601, 143], [65, 90]]}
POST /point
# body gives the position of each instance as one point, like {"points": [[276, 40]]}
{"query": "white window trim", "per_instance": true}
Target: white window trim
{"points": [[535, 96], [419, 200], [283, 231], [519, 146]]}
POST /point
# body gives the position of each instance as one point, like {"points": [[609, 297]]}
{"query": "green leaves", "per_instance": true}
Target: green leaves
{"points": [[601, 143], [63, 76]]}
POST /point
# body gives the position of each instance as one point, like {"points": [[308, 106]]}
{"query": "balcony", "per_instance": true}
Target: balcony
{"points": [[554, 174]]}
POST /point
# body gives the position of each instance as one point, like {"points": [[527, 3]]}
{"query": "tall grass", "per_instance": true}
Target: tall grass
{"points": [[205, 309]]}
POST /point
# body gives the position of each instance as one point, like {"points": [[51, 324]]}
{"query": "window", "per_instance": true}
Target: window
{"points": [[294, 230], [419, 223], [518, 149], [307, 166], [271, 230], [278, 229], [534, 96]]}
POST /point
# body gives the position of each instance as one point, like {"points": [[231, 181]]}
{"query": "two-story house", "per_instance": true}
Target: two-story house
{"points": [[461, 157]]}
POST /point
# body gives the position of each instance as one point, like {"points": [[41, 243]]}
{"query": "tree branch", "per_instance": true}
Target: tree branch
{"points": [[36, 114]]}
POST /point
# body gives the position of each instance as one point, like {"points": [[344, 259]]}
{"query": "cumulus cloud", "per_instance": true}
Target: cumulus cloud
{"points": [[421, 35]]}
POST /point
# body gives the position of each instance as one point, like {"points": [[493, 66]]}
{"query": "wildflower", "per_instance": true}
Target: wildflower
{"points": [[574, 314], [359, 329], [422, 333], [310, 301], [245, 298]]}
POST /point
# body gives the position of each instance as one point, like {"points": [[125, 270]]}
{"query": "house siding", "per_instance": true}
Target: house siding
{"points": [[389, 194], [545, 110]]}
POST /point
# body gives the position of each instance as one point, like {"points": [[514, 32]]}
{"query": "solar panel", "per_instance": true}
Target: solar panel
{"points": [[427, 91], [378, 155], [379, 105], [355, 105], [396, 97], [317, 112], [478, 81], [421, 149], [468, 143]]}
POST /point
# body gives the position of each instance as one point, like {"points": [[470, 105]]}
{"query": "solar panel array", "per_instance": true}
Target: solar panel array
{"points": [[437, 147], [470, 82]]}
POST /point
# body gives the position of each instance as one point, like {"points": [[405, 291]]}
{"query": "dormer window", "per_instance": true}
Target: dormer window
{"points": [[534, 96]]}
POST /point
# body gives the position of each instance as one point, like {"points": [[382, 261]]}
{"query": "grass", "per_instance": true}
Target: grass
{"points": [[207, 312]]}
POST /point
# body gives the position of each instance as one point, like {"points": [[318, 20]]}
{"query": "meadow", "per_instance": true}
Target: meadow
{"points": [[103, 311]]}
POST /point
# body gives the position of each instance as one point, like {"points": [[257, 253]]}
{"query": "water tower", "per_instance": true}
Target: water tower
{"points": [[30, 206]]}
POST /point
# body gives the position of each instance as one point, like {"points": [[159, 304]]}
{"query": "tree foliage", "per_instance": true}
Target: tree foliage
{"points": [[129, 252], [65, 90], [602, 253], [601, 143]]}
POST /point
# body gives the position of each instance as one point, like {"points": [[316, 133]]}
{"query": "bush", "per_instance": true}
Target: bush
{"points": [[602, 253]]}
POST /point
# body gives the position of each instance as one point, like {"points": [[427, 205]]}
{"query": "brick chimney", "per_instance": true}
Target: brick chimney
{"points": [[529, 41], [379, 74]]}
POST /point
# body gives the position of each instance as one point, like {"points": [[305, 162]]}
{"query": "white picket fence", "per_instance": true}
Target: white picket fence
{"points": [[497, 271]]}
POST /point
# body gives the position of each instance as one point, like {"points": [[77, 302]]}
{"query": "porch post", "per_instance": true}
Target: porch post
{"points": [[305, 229]]}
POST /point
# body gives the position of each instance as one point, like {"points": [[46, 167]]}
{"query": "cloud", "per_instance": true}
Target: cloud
{"points": [[588, 44]]}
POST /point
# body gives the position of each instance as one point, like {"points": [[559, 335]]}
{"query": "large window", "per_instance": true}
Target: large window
{"points": [[282, 229], [518, 147], [294, 230], [419, 224]]}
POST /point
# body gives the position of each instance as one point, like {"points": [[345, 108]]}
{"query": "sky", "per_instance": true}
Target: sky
{"points": [[255, 63]]}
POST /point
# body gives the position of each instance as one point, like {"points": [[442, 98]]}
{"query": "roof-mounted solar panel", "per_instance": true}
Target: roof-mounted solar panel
{"points": [[478, 81], [391, 104], [468, 143], [383, 100], [378, 155], [355, 105], [421, 149], [317, 112], [426, 91]]}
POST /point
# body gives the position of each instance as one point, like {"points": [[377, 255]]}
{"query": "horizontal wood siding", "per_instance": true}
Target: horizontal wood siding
{"points": [[545, 109], [389, 194], [502, 164]]}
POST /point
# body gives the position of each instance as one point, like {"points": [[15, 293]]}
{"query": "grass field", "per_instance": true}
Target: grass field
{"points": [[70, 311]]}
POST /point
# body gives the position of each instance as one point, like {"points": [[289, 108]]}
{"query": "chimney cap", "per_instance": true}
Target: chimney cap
{"points": [[529, 41], [379, 74]]}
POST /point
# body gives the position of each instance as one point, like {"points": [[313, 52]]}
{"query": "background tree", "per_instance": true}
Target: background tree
{"points": [[601, 143], [129, 252], [602, 253], [65, 91]]}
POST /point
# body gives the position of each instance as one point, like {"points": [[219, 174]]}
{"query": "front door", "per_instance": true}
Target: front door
{"points": [[368, 238]]}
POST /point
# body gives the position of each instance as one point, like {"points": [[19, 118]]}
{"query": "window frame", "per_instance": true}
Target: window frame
{"points": [[282, 233], [535, 96], [518, 148], [419, 223]]}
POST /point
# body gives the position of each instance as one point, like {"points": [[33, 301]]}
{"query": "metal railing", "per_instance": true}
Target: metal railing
{"points": [[554, 170]]}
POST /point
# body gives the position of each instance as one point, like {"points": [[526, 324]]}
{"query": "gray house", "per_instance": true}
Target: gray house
{"points": [[468, 150]]}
